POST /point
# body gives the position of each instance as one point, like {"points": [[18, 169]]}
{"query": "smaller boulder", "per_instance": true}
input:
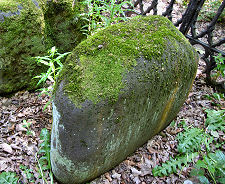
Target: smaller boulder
{"points": [[22, 33], [63, 23]]}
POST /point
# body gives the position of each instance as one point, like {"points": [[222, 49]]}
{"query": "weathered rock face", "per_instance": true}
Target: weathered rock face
{"points": [[21, 32], [28, 28], [118, 88]]}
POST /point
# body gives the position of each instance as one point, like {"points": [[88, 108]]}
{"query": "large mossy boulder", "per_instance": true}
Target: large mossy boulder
{"points": [[118, 89], [21, 38]]}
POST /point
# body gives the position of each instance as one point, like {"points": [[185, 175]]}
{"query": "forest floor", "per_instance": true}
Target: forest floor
{"points": [[19, 144], [22, 119]]}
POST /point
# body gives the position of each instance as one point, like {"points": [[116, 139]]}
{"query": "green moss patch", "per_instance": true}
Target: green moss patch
{"points": [[97, 67]]}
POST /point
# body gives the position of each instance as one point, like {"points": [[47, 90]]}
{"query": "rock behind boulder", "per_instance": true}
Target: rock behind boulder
{"points": [[29, 28], [21, 32], [63, 24], [118, 89]]}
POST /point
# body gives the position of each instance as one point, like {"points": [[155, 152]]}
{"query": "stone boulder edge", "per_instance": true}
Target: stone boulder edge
{"points": [[118, 89], [22, 32]]}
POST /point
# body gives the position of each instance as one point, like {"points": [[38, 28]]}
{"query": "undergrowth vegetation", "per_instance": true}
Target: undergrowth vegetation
{"points": [[54, 67], [220, 66], [102, 14], [43, 165], [210, 9], [43, 157], [200, 148]]}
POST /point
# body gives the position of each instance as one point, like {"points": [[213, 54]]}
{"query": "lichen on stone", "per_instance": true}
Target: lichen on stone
{"points": [[97, 68]]}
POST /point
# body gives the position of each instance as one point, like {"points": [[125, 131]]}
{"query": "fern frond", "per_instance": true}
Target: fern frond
{"points": [[174, 164], [190, 140], [215, 119]]}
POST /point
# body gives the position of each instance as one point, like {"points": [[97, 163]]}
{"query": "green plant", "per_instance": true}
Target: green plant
{"points": [[215, 119], [215, 98], [28, 173], [54, 64], [184, 2], [220, 65], [216, 122], [27, 126], [214, 164], [196, 143], [209, 10], [8, 178], [102, 13], [44, 163], [193, 139], [174, 164]]}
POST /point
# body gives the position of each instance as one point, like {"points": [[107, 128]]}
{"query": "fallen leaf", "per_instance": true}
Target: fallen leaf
{"points": [[137, 180], [3, 165], [7, 148], [14, 146], [107, 181], [20, 115], [135, 172], [20, 128], [116, 176], [129, 163], [108, 176], [11, 128]]}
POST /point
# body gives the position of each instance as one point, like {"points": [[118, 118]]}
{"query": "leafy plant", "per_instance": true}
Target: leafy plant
{"points": [[215, 98], [44, 163], [193, 139], [54, 64], [215, 119], [214, 163], [8, 178], [195, 142], [27, 126], [209, 10], [102, 13], [220, 65], [28, 173], [184, 2], [174, 164]]}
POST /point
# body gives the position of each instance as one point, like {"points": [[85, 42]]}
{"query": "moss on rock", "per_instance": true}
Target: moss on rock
{"points": [[63, 24], [97, 67], [22, 32]]}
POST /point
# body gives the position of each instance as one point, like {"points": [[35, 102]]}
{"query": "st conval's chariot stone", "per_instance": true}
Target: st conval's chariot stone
{"points": [[118, 89]]}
